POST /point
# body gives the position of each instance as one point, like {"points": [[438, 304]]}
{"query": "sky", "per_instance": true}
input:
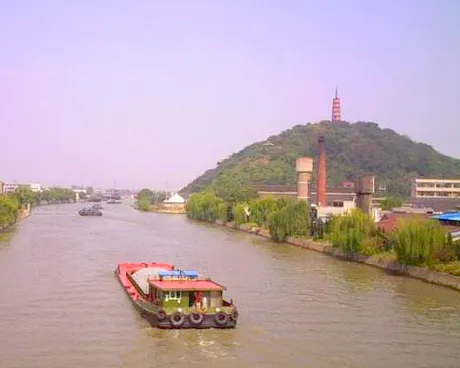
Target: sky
{"points": [[152, 93]]}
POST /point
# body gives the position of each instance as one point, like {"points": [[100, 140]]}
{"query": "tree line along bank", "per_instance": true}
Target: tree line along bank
{"points": [[12, 203], [417, 242]]}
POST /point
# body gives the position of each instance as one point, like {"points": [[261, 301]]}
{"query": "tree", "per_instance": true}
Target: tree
{"points": [[145, 193], [9, 209], [352, 149], [390, 203], [25, 196]]}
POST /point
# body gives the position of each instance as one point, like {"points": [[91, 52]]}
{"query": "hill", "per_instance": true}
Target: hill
{"points": [[352, 149]]}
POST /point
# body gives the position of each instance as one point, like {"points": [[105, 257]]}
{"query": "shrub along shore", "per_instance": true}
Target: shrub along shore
{"points": [[418, 248]]}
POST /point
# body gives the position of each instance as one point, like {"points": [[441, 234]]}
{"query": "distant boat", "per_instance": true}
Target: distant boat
{"points": [[113, 201], [174, 299], [89, 212]]}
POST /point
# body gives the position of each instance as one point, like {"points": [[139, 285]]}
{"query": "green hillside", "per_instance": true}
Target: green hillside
{"points": [[352, 149]]}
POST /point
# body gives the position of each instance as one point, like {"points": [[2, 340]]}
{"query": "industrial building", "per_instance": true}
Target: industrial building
{"points": [[435, 188]]}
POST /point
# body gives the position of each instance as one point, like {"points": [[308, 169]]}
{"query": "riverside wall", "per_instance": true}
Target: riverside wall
{"points": [[393, 266]]}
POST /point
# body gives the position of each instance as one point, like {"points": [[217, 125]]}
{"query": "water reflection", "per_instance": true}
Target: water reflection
{"points": [[423, 300], [6, 237]]}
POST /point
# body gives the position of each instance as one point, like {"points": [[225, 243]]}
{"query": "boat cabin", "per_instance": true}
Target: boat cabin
{"points": [[185, 289]]}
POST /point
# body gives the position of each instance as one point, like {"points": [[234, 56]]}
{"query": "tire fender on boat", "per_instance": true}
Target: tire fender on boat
{"points": [[234, 314], [161, 315], [177, 319], [196, 318], [221, 318]]}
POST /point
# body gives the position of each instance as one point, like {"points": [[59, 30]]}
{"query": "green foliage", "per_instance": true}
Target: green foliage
{"points": [[239, 214], [453, 268], [204, 206], [456, 246], [348, 232], [292, 218], [391, 202], [261, 209], [372, 245], [352, 149], [147, 197], [222, 211], [9, 208], [233, 189], [25, 196], [419, 242], [143, 204], [56, 194], [145, 193]]}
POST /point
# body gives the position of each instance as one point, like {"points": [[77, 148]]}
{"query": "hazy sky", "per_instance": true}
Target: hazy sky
{"points": [[146, 92]]}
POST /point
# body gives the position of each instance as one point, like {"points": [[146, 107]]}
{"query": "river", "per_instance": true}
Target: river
{"points": [[61, 306]]}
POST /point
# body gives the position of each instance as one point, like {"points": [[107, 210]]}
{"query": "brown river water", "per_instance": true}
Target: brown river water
{"points": [[61, 305]]}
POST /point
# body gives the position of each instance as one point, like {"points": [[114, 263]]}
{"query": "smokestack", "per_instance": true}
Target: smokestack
{"points": [[321, 187], [304, 168]]}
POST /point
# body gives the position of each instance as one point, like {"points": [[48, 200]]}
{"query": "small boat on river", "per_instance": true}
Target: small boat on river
{"points": [[172, 299], [89, 212]]}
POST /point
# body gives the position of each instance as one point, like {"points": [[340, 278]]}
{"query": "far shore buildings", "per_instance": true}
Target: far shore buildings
{"points": [[11, 188], [435, 188]]}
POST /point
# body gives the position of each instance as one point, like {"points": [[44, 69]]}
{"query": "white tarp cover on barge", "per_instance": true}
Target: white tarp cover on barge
{"points": [[141, 277]]}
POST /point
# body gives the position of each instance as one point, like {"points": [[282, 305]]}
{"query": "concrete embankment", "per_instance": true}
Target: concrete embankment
{"points": [[389, 265]]}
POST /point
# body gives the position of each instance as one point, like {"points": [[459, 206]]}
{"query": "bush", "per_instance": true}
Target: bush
{"points": [[418, 242], [239, 214], [453, 268], [261, 210], [222, 212], [372, 245], [348, 232], [143, 204], [291, 219], [204, 206], [456, 246], [9, 209]]}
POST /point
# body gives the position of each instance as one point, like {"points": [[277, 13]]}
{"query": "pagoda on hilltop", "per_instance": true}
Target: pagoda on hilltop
{"points": [[336, 108]]}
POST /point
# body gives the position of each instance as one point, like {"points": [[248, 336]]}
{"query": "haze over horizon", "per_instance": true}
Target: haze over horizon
{"points": [[144, 93]]}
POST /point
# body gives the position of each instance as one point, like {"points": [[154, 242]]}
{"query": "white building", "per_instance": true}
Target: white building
{"points": [[35, 188], [175, 199], [435, 188], [11, 188]]}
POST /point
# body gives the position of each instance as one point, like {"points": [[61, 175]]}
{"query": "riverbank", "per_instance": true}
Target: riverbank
{"points": [[172, 210], [384, 261]]}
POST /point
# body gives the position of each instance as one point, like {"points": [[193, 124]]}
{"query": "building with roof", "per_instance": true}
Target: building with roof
{"points": [[174, 204], [450, 221], [338, 199], [11, 188], [435, 188], [175, 199], [449, 218]]}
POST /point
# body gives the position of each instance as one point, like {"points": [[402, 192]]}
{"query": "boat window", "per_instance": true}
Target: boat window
{"points": [[174, 295]]}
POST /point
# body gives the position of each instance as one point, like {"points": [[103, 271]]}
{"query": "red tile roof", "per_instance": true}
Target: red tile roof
{"points": [[187, 285], [390, 221]]}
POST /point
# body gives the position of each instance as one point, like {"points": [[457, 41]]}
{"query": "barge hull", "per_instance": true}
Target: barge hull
{"points": [[209, 320]]}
